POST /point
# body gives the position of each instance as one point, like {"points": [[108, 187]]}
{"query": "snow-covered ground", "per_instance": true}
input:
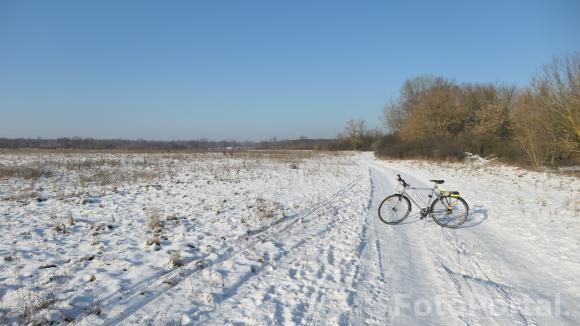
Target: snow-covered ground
{"points": [[285, 238]]}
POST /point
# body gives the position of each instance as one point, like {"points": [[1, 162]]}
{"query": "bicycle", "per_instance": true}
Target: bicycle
{"points": [[448, 209]]}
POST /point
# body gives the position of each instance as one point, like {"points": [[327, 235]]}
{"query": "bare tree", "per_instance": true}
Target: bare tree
{"points": [[488, 108], [394, 116], [436, 113], [533, 130], [358, 136], [558, 90]]}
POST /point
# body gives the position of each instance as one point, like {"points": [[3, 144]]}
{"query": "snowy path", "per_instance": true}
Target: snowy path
{"points": [[461, 270]]}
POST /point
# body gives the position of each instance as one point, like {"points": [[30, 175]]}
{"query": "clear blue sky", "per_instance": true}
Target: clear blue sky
{"points": [[253, 69]]}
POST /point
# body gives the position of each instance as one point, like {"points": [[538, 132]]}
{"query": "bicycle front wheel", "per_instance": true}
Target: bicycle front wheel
{"points": [[449, 212], [394, 209]]}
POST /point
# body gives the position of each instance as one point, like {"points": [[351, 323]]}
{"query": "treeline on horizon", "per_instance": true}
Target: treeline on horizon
{"points": [[118, 144], [434, 117], [77, 143]]}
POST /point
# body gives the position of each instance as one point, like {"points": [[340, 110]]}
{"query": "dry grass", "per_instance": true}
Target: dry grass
{"points": [[25, 172], [155, 224], [78, 173], [154, 240], [33, 302], [175, 259], [58, 225], [266, 208], [70, 219], [568, 172]]}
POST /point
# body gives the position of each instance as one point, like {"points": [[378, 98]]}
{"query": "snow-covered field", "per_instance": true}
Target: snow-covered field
{"points": [[285, 238]]}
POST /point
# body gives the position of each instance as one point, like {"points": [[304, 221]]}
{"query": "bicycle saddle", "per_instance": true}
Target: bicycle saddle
{"points": [[438, 181]]}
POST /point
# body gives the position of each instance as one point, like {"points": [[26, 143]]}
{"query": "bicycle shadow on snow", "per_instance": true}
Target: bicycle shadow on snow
{"points": [[477, 215]]}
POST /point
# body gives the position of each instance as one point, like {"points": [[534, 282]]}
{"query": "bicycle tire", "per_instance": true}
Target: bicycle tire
{"points": [[440, 211], [391, 204]]}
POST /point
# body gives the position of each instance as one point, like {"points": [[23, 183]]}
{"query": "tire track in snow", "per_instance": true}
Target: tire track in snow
{"points": [[401, 271], [370, 304], [478, 284], [154, 286], [319, 303]]}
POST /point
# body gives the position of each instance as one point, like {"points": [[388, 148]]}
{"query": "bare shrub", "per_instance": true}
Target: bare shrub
{"points": [[35, 301], [558, 90], [175, 259], [547, 116], [58, 224], [71, 220], [154, 240], [265, 208], [155, 224], [358, 136], [554, 96], [533, 131]]}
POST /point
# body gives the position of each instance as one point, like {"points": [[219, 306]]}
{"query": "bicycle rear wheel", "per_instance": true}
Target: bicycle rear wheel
{"points": [[449, 212], [394, 209]]}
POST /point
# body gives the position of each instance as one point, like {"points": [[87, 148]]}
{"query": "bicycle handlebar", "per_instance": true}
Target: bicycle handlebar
{"points": [[405, 184]]}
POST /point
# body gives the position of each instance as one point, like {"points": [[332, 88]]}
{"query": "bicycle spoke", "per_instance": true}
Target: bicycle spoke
{"points": [[449, 211], [394, 209]]}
